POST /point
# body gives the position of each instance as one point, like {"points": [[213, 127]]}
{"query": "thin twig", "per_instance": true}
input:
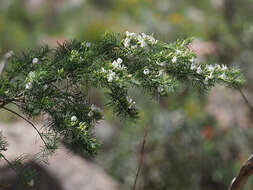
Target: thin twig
{"points": [[29, 123], [247, 168], [245, 99], [244, 173], [141, 157], [22, 178]]}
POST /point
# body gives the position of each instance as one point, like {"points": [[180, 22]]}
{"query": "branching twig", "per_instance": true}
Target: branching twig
{"points": [[141, 157], [245, 172], [22, 178], [30, 124], [245, 99], [247, 168]]}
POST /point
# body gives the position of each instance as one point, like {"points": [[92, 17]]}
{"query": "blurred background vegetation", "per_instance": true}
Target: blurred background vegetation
{"points": [[195, 141]]}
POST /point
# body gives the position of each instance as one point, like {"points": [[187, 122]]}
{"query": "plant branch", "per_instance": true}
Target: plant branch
{"points": [[247, 168], [244, 173], [245, 99], [141, 157], [22, 178], [7, 109]]}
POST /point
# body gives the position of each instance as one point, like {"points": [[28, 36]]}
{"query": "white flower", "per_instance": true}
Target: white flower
{"points": [[115, 64], [160, 89], [111, 76], [130, 34], [127, 33], [134, 47], [211, 75], [224, 67], [193, 66], [28, 85], [210, 68], [199, 70], [178, 51], [126, 42], [146, 71], [9, 54], [90, 114], [141, 38], [74, 118], [142, 42], [223, 76], [35, 60], [88, 44], [144, 35], [192, 59], [31, 74], [160, 73], [95, 108], [152, 39], [103, 70], [174, 59], [31, 182], [130, 101], [119, 60]]}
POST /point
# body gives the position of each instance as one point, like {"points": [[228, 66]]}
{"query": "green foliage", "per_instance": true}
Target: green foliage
{"points": [[56, 82], [228, 25]]}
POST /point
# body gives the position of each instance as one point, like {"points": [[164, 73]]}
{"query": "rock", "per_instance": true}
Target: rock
{"points": [[65, 171]]}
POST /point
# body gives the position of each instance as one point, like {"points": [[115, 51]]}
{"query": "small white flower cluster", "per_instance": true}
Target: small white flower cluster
{"points": [[160, 89], [73, 118], [31, 182], [160, 73], [86, 44], [146, 71], [178, 53], [142, 40], [117, 64], [31, 76], [130, 102], [93, 109], [174, 59], [111, 76], [35, 60], [209, 71], [109, 73]]}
